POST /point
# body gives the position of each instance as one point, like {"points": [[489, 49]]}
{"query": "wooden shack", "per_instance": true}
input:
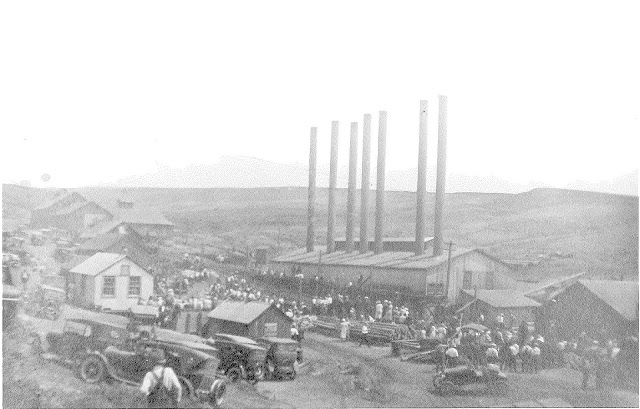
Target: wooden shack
{"points": [[253, 319]]}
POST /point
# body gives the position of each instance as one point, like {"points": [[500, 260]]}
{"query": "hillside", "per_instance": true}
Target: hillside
{"points": [[599, 230]]}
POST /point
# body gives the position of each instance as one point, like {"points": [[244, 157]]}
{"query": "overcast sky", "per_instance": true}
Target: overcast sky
{"points": [[91, 92]]}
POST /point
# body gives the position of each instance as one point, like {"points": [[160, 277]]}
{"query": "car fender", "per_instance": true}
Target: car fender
{"points": [[111, 370], [189, 391]]}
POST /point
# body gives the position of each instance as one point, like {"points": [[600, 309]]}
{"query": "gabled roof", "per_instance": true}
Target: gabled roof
{"points": [[503, 298], [97, 263], [77, 206], [100, 228], [240, 311], [50, 202], [103, 242], [392, 259], [622, 296]]}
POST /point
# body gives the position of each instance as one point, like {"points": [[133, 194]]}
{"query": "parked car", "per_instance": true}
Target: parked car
{"points": [[196, 370], [103, 346], [11, 295], [455, 379], [282, 353], [240, 357], [84, 332]]}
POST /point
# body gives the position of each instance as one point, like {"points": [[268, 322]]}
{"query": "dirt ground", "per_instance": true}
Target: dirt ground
{"points": [[335, 374], [341, 374]]}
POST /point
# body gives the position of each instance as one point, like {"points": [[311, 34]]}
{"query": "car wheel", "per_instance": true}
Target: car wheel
{"points": [[92, 369], [447, 388], [36, 346], [216, 396], [498, 388], [234, 373], [188, 392], [293, 374]]}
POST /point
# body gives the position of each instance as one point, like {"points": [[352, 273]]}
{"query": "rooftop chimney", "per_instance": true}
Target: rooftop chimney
{"points": [[313, 155], [382, 147], [364, 192], [351, 195], [442, 170], [333, 178], [421, 191]]}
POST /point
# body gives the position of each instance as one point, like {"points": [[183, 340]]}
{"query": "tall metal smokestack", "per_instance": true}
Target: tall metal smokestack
{"points": [[442, 170], [333, 179], [351, 195], [313, 155], [366, 181], [421, 191], [382, 148]]}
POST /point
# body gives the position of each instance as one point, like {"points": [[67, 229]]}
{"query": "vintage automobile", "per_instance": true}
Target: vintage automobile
{"points": [[196, 370], [83, 332], [455, 379], [282, 353], [11, 295], [240, 357], [107, 347]]}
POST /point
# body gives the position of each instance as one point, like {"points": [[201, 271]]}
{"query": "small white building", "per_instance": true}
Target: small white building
{"points": [[111, 281]]}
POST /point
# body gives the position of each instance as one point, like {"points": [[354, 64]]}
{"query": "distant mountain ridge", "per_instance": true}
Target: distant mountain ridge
{"points": [[247, 172]]}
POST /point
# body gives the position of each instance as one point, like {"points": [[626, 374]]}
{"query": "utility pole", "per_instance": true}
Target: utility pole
{"points": [[446, 289]]}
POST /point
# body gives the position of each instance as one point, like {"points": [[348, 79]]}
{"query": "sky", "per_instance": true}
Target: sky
{"points": [[94, 91]]}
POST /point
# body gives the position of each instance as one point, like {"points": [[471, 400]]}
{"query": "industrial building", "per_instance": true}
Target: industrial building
{"points": [[418, 268]]}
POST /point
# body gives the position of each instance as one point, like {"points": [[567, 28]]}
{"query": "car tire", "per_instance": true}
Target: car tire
{"points": [[92, 369], [235, 373], [216, 396], [188, 391], [447, 388], [293, 375], [498, 388], [36, 346]]}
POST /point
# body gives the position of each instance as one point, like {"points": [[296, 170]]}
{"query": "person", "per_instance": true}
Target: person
{"points": [[452, 356], [535, 357], [160, 384], [491, 354], [365, 335], [295, 335], [344, 329]]}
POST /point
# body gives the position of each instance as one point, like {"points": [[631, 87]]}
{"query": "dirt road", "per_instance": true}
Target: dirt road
{"points": [[344, 375]]}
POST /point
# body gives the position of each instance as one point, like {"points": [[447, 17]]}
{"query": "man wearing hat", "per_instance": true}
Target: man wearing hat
{"points": [[160, 384]]}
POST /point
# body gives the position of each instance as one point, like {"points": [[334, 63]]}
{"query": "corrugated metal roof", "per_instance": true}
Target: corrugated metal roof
{"points": [[239, 311], [622, 296], [97, 263], [391, 259], [503, 298]]}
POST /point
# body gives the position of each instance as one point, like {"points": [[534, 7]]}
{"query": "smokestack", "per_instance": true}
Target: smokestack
{"points": [[382, 148], [333, 178], [313, 155], [442, 170], [351, 196], [364, 193], [421, 191]]}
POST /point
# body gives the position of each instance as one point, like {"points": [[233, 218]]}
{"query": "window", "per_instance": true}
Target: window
{"points": [[135, 284], [125, 270], [434, 289], [109, 286], [467, 281]]}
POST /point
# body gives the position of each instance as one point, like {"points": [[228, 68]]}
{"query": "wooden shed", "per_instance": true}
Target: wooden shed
{"points": [[253, 319], [600, 308]]}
